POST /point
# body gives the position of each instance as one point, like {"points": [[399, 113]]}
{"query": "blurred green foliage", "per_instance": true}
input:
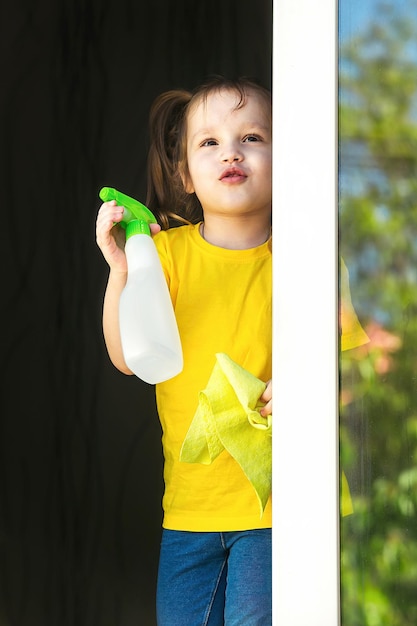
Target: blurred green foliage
{"points": [[378, 241]]}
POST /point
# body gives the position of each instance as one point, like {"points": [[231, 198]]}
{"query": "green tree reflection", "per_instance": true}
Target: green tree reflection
{"points": [[378, 240]]}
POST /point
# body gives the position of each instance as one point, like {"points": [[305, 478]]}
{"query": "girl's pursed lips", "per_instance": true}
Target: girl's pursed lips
{"points": [[233, 173]]}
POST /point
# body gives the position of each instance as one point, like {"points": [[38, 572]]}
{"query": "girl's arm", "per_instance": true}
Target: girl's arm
{"points": [[111, 332]]}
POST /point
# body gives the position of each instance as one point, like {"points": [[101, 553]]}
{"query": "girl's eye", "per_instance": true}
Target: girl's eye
{"points": [[209, 142], [252, 138]]}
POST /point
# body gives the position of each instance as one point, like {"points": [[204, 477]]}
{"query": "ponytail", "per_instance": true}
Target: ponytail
{"points": [[166, 196]]}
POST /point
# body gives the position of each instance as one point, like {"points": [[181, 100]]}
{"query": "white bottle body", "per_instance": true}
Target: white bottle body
{"points": [[148, 328]]}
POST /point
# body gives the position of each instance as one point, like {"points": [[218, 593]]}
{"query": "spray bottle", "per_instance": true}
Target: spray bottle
{"points": [[148, 328]]}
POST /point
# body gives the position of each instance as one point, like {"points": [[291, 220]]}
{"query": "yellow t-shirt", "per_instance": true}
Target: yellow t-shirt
{"points": [[352, 333], [352, 336], [223, 303]]}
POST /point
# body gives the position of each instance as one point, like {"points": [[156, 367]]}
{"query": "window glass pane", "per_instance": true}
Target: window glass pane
{"points": [[378, 361]]}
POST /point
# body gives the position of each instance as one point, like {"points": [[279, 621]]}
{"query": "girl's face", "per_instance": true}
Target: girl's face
{"points": [[229, 154]]}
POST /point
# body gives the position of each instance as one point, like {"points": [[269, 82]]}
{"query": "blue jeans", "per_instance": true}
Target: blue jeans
{"points": [[215, 578]]}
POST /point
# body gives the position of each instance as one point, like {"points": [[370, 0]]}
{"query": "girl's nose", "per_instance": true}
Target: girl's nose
{"points": [[232, 154]]}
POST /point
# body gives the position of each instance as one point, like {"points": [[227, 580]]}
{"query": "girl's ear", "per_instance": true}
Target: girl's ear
{"points": [[188, 186], [186, 181]]}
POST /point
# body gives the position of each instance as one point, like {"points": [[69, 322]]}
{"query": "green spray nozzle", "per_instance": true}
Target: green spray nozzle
{"points": [[136, 217]]}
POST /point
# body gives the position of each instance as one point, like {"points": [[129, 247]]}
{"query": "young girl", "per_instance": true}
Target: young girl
{"points": [[210, 170]]}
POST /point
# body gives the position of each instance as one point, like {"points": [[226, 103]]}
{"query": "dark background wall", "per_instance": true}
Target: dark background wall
{"points": [[80, 455]]}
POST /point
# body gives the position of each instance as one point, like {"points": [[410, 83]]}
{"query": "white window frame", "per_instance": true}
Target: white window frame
{"points": [[305, 327]]}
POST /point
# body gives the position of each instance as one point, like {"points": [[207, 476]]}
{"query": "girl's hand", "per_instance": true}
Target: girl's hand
{"points": [[267, 397], [111, 238]]}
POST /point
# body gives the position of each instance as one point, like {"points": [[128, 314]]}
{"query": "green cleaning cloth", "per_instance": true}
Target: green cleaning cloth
{"points": [[228, 418]]}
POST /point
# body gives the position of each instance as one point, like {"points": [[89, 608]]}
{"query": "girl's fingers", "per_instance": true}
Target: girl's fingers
{"points": [[267, 398], [155, 228], [267, 394], [267, 409]]}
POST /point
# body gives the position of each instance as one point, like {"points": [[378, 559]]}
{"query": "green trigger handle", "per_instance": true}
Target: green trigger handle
{"points": [[136, 217]]}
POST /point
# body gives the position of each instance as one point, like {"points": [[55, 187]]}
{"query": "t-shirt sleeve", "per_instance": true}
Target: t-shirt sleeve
{"points": [[161, 243]]}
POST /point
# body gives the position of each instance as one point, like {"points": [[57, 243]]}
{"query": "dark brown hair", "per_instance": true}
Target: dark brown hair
{"points": [[167, 158]]}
